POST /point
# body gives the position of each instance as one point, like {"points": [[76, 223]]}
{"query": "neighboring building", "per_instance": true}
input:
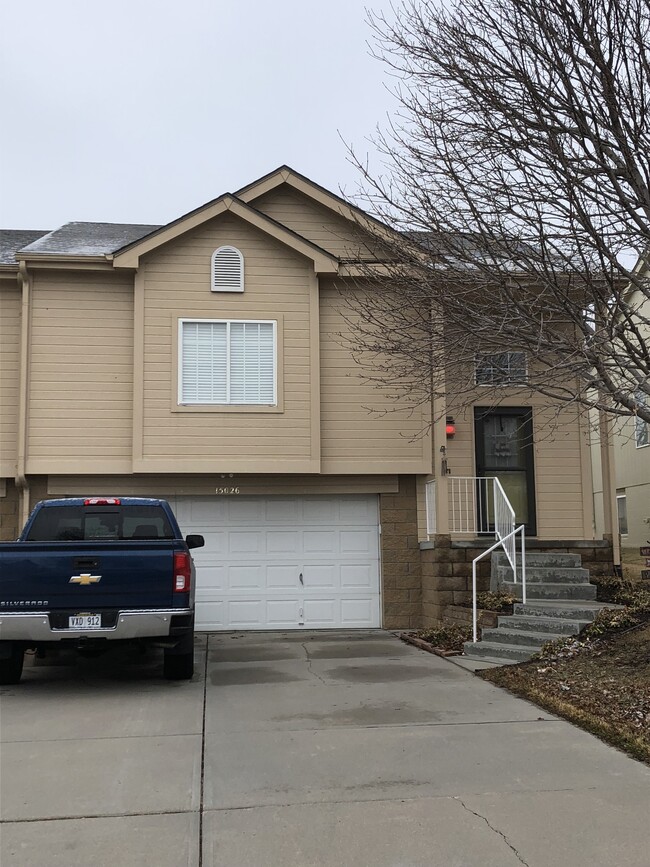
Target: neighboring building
{"points": [[206, 361], [631, 446]]}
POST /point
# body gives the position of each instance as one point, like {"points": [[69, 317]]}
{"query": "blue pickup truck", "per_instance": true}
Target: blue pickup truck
{"points": [[89, 572]]}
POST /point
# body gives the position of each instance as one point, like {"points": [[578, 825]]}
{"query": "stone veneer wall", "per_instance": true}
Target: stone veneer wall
{"points": [[447, 569], [400, 557], [447, 576]]}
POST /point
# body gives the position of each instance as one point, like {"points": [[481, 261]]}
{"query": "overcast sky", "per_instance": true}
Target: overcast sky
{"points": [[140, 110]]}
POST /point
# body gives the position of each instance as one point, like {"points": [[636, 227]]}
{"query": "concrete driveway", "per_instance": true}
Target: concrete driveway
{"points": [[303, 749]]}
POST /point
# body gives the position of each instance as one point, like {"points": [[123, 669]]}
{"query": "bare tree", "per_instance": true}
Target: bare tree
{"points": [[517, 176]]}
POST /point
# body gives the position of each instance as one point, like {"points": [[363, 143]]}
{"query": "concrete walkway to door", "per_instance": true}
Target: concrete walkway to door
{"points": [[306, 750]]}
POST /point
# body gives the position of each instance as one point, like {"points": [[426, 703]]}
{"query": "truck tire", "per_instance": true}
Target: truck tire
{"points": [[11, 667], [179, 666]]}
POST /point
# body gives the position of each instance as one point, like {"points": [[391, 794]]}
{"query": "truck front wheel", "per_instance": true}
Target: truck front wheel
{"points": [[11, 662]]}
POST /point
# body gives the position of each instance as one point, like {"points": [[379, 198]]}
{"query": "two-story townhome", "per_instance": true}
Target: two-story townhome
{"points": [[210, 361]]}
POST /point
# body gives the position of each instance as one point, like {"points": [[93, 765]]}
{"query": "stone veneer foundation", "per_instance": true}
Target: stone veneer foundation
{"points": [[401, 567], [447, 568]]}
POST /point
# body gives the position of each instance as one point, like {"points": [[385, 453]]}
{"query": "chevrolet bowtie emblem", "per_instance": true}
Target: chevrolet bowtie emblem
{"points": [[85, 578]]}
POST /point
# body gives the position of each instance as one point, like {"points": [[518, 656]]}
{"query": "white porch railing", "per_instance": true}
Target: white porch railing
{"points": [[479, 505]]}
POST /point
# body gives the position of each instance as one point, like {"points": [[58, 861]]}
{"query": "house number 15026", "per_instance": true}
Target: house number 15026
{"points": [[227, 491]]}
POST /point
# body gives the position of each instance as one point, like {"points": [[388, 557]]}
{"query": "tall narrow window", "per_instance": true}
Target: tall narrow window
{"points": [[621, 505], [641, 427], [227, 271], [227, 362]]}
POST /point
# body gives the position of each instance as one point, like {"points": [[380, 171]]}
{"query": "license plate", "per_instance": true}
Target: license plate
{"points": [[85, 621]]}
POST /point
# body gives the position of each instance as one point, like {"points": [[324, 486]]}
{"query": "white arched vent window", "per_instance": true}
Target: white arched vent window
{"points": [[227, 271]]}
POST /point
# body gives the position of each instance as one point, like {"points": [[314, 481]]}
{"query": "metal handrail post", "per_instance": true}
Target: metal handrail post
{"points": [[480, 557], [523, 564]]}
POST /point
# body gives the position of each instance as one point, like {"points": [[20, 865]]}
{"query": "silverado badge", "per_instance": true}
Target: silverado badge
{"points": [[85, 578]]}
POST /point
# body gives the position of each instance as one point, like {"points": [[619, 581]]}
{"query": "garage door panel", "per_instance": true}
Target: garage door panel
{"points": [[319, 542], [359, 510], [247, 576], [323, 575], [321, 613], [248, 573], [357, 612], [246, 542], [320, 512], [282, 613], [362, 542], [246, 613], [245, 510], [282, 542], [282, 576], [210, 614], [355, 576], [282, 510]]}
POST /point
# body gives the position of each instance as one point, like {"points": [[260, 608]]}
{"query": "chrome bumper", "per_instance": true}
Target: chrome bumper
{"points": [[32, 626]]}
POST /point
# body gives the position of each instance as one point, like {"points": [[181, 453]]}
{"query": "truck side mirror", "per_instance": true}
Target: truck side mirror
{"points": [[194, 540]]}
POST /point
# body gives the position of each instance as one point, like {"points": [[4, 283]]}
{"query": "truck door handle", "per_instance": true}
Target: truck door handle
{"points": [[301, 580]]}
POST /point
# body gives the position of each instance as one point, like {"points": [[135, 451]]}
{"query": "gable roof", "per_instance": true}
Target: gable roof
{"points": [[87, 239], [129, 255], [286, 175], [12, 240]]}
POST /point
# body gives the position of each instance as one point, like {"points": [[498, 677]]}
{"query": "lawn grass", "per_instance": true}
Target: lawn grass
{"points": [[600, 682]]}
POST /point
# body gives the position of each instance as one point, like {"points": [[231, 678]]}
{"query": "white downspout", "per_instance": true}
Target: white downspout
{"points": [[22, 485]]}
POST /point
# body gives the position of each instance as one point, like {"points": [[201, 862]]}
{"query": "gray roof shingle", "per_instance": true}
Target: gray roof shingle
{"points": [[14, 239], [88, 239]]}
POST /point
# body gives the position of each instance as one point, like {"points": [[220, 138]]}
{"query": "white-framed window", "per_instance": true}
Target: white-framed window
{"points": [[641, 427], [227, 361], [501, 368], [227, 270], [621, 505]]}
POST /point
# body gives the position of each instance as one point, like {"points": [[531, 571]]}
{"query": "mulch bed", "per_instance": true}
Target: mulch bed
{"points": [[424, 645], [601, 685]]}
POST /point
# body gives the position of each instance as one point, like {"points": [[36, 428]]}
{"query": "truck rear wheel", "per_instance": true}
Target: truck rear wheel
{"points": [[11, 666], [179, 666]]}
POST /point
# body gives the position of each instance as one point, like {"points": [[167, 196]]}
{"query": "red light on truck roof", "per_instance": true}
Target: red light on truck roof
{"points": [[102, 501]]}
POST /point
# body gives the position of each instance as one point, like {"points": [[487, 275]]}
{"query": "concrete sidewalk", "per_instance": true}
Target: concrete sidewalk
{"points": [[303, 749]]}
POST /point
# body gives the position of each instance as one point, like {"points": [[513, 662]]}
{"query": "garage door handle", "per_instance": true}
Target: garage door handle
{"points": [[301, 580]]}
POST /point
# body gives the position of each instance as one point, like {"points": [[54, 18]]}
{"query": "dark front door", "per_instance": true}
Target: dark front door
{"points": [[504, 448]]}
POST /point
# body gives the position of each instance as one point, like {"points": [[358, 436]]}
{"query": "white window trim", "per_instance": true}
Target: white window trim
{"points": [[230, 249], [507, 384], [272, 322]]}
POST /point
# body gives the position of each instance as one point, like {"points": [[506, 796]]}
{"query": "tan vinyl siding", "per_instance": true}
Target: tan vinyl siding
{"points": [[277, 287], [10, 302], [81, 362], [362, 427], [318, 224]]}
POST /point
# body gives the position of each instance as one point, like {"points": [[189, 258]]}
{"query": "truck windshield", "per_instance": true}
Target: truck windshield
{"points": [[100, 523]]}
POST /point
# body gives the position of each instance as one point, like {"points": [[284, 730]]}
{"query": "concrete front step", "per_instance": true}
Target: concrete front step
{"points": [[519, 636], [546, 574], [551, 590], [540, 559], [503, 652], [547, 625], [570, 610]]}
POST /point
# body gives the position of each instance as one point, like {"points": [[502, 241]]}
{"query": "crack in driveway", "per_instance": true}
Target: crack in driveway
{"points": [[492, 828]]}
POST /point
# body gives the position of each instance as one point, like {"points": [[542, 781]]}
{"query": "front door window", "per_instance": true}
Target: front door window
{"points": [[504, 448]]}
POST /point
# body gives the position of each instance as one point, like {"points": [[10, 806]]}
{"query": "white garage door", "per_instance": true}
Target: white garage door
{"points": [[284, 562]]}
